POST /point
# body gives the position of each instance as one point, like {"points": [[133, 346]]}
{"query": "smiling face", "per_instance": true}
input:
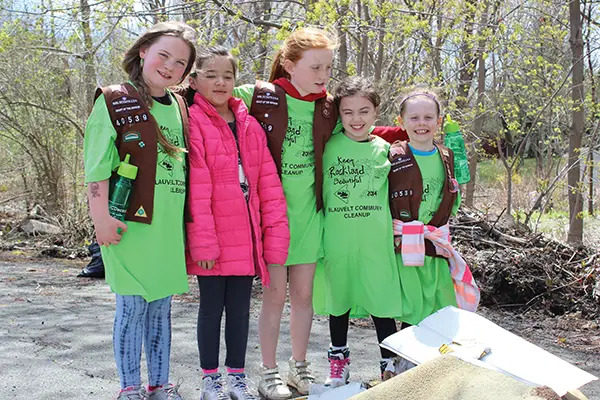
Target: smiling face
{"points": [[165, 62], [358, 115], [311, 72], [421, 120], [215, 81]]}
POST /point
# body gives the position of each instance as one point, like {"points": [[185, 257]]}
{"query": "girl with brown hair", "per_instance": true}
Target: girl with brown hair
{"points": [[143, 255]]}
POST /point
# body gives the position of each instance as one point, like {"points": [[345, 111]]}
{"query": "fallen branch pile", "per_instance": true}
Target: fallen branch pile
{"points": [[522, 271]]}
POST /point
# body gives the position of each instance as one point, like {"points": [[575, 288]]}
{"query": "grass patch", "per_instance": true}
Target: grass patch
{"points": [[491, 171], [556, 225]]}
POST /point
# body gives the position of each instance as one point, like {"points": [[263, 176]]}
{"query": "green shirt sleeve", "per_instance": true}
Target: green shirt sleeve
{"points": [[338, 127], [100, 155], [244, 92], [456, 204]]}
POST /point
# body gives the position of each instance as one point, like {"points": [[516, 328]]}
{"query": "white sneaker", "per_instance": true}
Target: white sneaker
{"points": [[299, 376], [391, 367], [238, 388], [339, 367], [213, 388], [271, 386]]}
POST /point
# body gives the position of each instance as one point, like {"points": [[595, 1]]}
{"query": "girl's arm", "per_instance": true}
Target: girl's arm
{"points": [[100, 158], [201, 233], [456, 204], [273, 209], [105, 225], [390, 133], [244, 92]]}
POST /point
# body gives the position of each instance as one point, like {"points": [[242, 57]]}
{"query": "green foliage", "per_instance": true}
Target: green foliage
{"points": [[525, 50]]}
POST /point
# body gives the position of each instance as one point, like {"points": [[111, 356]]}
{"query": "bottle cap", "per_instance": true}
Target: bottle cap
{"points": [[127, 170], [450, 125]]}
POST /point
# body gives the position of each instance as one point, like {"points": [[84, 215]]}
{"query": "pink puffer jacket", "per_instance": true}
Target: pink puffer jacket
{"points": [[243, 237]]}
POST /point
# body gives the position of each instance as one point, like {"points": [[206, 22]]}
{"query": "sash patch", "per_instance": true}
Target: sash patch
{"points": [[131, 136], [141, 212], [267, 98]]}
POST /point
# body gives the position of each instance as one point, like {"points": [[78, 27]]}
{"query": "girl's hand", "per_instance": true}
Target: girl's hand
{"points": [[105, 225], [206, 264], [109, 231]]}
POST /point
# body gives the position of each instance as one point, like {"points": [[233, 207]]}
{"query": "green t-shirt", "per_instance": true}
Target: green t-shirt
{"points": [[427, 288], [432, 171], [359, 267], [298, 179], [149, 260]]}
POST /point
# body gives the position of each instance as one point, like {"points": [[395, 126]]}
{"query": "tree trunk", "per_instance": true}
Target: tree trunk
{"points": [[575, 235], [477, 127], [343, 50], [479, 119], [594, 101], [509, 172], [362, 68], [591, 161], [88, 57], [380, 53], [467, 61], [265, 14]]}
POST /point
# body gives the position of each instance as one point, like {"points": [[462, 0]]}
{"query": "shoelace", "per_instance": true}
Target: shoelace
{"points": [[336, 367], [172, 393], [240, 384], [217, 387]]}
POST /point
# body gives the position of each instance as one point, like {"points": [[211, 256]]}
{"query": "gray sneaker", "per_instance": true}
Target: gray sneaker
{"points": [[131, 394], [165, 392], [213, 388], [238, 388]]}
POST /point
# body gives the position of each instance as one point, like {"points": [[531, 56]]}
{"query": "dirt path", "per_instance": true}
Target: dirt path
{"points": [[56, 336]]}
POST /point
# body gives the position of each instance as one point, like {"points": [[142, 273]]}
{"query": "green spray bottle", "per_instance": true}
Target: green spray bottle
{"points": [[120, 189], [453, 139]]}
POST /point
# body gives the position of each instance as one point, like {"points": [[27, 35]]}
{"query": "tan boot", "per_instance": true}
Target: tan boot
{"points": [[299, 376], [271, 386]]}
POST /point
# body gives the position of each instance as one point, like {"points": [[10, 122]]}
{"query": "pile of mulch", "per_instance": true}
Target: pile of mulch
{"points": [[520, 271], [448, 377]]}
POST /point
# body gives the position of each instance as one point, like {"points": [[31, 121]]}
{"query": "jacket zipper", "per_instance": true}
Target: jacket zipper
{"points": [[252, 233]]}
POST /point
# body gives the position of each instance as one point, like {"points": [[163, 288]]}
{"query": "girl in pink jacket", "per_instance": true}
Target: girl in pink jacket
{"points": [[239, 218]]}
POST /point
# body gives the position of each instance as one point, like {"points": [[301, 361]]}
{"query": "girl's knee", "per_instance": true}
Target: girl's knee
{"points": [[301, 298], [274, 296], [236, 312]]}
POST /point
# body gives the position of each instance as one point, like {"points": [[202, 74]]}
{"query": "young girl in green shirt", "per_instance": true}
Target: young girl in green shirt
{"points": [[144, 262], [358, 276]]}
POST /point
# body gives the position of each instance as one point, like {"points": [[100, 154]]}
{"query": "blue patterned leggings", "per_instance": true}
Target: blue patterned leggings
{"points": [[136, 320]]}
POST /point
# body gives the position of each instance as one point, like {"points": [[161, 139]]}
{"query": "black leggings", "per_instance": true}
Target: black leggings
{"points": [[338, 329], [231, 293]]}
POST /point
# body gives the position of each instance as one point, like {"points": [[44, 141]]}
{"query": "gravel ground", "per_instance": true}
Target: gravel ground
{"points": [[56, 336]]}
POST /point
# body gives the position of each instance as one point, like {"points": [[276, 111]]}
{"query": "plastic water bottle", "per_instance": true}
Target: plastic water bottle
{"points": [[453, 139], [120, 189]]}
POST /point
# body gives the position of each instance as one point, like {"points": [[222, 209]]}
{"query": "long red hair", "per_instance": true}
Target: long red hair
{"points": [[296, 44]]}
